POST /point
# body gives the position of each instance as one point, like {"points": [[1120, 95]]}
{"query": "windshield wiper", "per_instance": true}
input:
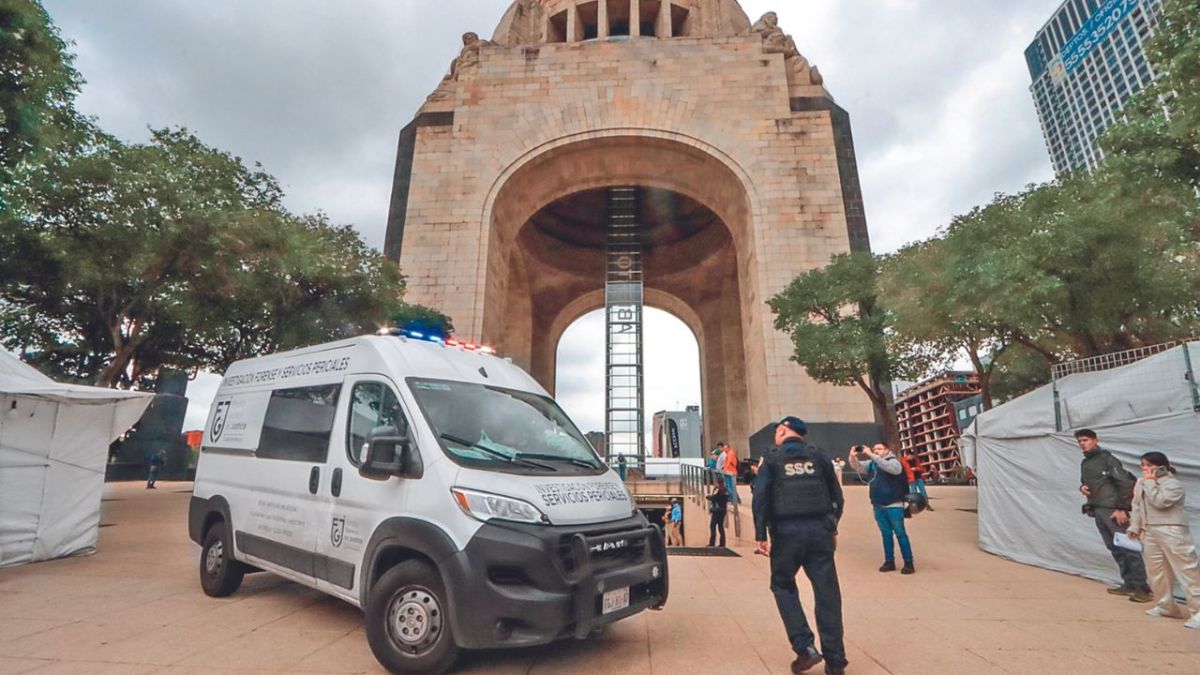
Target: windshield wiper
{"points": [[560, 458], [513, 459]]}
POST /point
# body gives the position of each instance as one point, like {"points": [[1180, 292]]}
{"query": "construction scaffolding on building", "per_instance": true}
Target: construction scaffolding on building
{"points": [[928, 422]]}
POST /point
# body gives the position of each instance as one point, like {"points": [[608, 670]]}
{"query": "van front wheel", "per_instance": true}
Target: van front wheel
{"points": [[407, 625], [220, 574]]}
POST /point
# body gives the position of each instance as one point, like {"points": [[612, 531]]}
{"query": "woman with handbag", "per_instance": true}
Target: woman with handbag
{"points": [[718, 506], [1158, 521]]}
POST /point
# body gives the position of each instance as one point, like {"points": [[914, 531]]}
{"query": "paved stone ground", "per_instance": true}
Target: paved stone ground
{"points": [[136, 607]]}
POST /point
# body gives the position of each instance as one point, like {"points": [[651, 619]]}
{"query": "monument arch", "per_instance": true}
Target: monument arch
{"points": [[743, 165]]}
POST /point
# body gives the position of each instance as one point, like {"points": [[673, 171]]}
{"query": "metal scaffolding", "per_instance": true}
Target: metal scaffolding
{"points": [[623, 311]]}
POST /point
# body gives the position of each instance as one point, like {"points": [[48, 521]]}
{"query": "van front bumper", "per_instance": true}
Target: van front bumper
{"points": [[518, 585]]}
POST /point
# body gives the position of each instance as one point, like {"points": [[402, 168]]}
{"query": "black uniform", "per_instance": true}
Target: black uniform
{"points": [[798, 499]]}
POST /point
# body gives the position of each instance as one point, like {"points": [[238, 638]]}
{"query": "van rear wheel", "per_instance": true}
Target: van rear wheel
{"points": [[406, 620], [220, 574]]}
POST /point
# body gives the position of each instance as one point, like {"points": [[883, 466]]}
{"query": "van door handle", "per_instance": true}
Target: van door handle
{"points": [[335, 485], [314, 479]]}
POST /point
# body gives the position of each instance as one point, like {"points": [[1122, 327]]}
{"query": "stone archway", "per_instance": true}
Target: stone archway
{"points": [[699, 103], [538, 284]]}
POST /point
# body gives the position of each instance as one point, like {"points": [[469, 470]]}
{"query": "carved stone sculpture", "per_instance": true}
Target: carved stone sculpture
{"points": [[466, 60], [775, 41], [527, 24]]}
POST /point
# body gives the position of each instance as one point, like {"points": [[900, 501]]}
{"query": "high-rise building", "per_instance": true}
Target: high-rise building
{"points": [[1085, 63]]}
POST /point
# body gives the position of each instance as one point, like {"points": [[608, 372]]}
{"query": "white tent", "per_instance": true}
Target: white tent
{"points": [[1028, 472], [54, 442]]}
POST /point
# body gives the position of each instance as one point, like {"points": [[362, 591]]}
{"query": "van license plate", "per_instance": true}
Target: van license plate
{"points": [[616, 600]]}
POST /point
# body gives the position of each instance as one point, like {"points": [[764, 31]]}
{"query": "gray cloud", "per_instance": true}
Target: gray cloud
{"points": [[318, 91]]}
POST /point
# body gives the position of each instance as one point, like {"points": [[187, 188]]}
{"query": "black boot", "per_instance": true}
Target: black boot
{"points": [[888, 566], [808, 659]]}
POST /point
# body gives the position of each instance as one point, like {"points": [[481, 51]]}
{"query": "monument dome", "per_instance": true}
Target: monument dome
{"points": [[529, 22]]}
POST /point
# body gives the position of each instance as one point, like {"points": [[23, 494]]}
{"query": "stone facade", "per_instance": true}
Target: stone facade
{"points": [[712, 107]]}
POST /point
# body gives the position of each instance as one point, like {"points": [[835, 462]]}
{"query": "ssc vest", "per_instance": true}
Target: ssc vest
{"points": [[799, 487]]}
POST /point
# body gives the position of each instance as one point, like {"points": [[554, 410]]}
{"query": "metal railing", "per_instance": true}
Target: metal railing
{"points": [[697, 482], [1139, 391]]}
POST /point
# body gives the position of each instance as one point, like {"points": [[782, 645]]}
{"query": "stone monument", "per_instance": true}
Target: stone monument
{"points": [[744, 163]]}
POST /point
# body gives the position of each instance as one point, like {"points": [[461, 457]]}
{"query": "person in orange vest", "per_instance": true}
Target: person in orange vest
{"points": [[728, 464]]}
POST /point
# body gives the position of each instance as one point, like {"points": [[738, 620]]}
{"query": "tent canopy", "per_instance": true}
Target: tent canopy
{"points": [[1028, 470], [54, 442]]}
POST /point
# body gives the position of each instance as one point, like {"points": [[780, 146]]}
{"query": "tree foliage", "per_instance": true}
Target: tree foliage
{"points": [[840, 336], [117, 259], [38, 84], [1091, 264], [423, 319], [174, 254], [1160, 133]]}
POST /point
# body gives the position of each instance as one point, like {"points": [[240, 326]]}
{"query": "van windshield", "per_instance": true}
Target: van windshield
{"points": [[498, 428]]}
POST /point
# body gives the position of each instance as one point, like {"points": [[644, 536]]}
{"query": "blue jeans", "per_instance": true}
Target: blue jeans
{"points": [[731, 487], [920, 485], [891, 523]]}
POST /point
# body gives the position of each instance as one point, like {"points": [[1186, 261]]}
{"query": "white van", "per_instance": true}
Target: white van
{"points": [[434, 485]]}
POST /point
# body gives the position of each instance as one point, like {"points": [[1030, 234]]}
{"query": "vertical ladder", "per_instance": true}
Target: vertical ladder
{"points": [[623, 313]]}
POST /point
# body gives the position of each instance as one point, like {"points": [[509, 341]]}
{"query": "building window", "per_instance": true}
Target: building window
{"points": [[298, 423]]}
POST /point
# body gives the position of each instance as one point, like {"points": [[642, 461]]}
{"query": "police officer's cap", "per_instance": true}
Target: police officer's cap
{"points": [[795, 424]]}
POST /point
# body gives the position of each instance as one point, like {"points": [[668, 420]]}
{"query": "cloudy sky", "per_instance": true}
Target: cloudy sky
{"points": [[317, 91]]}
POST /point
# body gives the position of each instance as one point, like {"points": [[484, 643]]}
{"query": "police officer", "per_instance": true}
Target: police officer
{"points": [[798, 499]]}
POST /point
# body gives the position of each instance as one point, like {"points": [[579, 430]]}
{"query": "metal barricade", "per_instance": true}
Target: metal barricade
{"points": [[697, 482]]}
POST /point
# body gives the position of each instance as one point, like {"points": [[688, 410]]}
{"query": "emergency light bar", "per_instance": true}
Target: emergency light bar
{"points": [[436, 339]]}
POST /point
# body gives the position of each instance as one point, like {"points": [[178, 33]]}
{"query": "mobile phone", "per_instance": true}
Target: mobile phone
{"points": [[1161, 471]]}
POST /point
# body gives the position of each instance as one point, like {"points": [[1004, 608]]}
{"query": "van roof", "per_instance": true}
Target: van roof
{"points": [[397, 356]]}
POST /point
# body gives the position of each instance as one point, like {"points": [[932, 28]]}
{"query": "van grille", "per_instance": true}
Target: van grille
{"points": [[613, 552]]}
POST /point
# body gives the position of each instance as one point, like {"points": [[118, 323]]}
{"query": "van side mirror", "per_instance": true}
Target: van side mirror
{"points": [[386, 456]]}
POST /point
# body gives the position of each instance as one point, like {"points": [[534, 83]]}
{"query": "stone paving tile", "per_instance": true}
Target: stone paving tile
{"points": [[91, 668], [1042, 661], [11, 629], [136, 607], [15, 666], [277, 650], [347, 654]]}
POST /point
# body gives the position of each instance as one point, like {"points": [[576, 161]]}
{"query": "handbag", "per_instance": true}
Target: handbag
{"points": [[914, 502]]}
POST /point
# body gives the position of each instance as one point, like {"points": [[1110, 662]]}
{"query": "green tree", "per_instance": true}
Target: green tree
{"points": [[423, 319], [1095, 263], [173, 254], [1160, 134], [37, 89], [840, 336]]}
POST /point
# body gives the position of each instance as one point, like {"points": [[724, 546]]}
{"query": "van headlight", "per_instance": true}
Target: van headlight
{"points": [[484, 506]]}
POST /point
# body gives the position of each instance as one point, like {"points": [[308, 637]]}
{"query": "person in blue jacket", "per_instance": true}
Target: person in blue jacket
{"points": [[888, 490]]}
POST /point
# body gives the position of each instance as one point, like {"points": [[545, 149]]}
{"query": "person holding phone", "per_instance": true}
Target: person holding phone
{"points": [[1158, 521], [888, 487]]}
